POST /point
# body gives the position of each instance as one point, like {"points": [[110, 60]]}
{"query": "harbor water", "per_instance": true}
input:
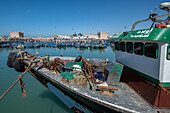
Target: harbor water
{"points": [[39, 99]]}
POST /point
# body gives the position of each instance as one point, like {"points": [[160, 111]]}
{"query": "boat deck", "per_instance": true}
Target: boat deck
{"points": [[122, 100]]}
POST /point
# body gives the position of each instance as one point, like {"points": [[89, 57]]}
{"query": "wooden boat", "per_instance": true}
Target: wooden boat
{"points": [[85, 98], [109, 96], [128, 92]]}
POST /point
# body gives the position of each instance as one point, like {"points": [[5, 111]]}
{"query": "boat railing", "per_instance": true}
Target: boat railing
{"points": [[153, 17]]}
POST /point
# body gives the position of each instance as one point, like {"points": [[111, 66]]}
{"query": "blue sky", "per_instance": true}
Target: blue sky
{"points": [[39, 17]]}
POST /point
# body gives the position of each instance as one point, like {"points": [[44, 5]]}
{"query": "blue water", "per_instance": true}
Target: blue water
{"points": [[39, 99]]}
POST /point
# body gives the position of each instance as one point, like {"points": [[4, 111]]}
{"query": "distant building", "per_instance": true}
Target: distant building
{"points": [[4, 38], [56, 37], [79, 37], [99, 35], [63, 37], [1, 39], [39, 38], [91, 36], [16, 34], [103, 35]]}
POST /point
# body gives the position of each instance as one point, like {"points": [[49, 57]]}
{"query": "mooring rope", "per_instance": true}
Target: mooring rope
{"points": [[20, 77]]}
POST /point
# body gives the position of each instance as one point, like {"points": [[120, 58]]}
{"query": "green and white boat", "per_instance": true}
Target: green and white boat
{"points": [[145, 55]]}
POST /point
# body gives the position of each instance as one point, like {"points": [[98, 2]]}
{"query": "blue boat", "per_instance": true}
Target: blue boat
{"points": [[4, 45]]}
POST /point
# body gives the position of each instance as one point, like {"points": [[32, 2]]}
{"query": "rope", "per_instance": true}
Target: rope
{"points": [[88, 72], [20, 77], [81, 80], [167, 92]]}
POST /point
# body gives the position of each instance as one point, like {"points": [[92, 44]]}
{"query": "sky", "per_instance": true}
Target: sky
{"points": [[64, 17]]}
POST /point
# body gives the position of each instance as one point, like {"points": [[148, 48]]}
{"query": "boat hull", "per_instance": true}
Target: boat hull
{"points": [[89, 104], [72, 104], [156, 96], [123, 100]]}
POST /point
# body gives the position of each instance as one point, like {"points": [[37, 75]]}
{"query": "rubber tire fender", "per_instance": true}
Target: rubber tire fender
{"points": [[78, 59], [18, 64], [11, 59]]}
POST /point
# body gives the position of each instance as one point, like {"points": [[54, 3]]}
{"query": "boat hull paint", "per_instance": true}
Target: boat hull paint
{"points": [[67, 100], [89, 104], [156, 96], [140, 63]]}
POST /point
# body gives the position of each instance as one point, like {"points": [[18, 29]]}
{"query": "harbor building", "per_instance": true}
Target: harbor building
{"points": [[16, 34], [100, 35], [91, 36], [103, 35], [1, 39], [4, 38]]}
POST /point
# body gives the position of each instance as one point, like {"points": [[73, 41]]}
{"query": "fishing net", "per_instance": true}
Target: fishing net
{"points": [[98, 64], [80, 79], [95, 60], [70, 64], [67, 75]]}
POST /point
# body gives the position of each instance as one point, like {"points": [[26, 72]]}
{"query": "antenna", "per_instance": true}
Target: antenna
{"points": [[151, 16], [155, 9]]}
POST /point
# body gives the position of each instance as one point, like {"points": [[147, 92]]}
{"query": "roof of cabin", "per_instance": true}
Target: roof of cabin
{"points": [[155, 34]]}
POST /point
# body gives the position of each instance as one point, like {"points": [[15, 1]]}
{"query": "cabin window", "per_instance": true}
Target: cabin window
{"points": [[138, 48], [122, 46], [129, 47], [168, 52], [151, 50], [117, 46]]}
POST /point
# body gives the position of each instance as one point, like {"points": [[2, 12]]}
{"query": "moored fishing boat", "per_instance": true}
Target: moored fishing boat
{"points": [[96, 45], [82, 84], [145, 55], [4, 45], [92, 45], [95, 84], [20, 46], [37, 45]]}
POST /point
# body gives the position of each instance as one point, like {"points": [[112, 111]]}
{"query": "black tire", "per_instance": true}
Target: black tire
{"points": [[18, 65], [78, 59], [11, 59]]}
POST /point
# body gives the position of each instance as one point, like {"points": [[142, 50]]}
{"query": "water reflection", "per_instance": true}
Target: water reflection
{"points": [[113, 48], [46, 94], [98, 50]]}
